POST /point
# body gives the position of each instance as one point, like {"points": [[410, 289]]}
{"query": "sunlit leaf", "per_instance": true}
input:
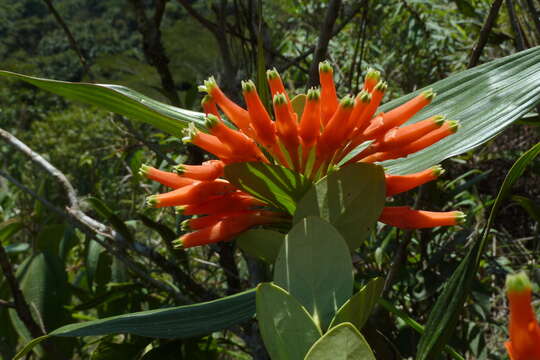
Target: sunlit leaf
{"points": [[121, 100], [343, 342], [351, 199], [286, 327], [485, 99], [274, 184], [314, 265]]}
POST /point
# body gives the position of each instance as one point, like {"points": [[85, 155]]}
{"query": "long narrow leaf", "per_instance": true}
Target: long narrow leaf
{"points": [[444, 316], [170, 323], [485, 99], [121, 100]]}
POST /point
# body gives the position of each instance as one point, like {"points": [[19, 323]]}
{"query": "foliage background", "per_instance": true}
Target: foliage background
{"points": [[413, 43]]}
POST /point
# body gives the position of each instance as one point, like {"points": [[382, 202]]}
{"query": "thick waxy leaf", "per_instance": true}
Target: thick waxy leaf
{"points": [[286, 328], [8, 229], [274, 184], [298, 102], [315, 266], [343, 342], [170, 323], [351, 199], [485, 99], [121, 100], [358, 308], [261, 243], [43, 281], [442, 319]]}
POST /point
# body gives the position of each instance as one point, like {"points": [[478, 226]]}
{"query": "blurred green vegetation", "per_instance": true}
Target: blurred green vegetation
{"points": [[413, 43]]}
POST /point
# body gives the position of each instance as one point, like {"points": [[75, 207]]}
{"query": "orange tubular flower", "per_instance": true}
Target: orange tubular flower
{"points": [[209, 170], [168, 179], [312, 143], [406, 218], [194, 193], [225, 229], [329, 100], [396, 184], [524, 343]]}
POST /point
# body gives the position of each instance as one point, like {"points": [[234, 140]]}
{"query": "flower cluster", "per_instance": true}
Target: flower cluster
{"points": [[312, 142], [524, 330]]}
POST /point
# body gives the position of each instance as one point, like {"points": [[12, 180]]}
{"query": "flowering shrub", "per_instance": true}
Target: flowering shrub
{"points": [[325, 134]]}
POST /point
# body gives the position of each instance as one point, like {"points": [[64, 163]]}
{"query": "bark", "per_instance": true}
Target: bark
{"points": [[153, 49], [325, 34]]}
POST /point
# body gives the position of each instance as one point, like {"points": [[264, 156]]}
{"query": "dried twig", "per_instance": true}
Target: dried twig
{"points": [[21, 306], [153, 49], [518, 33], [484, 33], [72, 42], [325, 34], [116, 243], [7, 304]]}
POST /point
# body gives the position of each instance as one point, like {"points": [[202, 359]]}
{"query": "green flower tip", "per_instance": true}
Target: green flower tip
{"points": [[518, 282], [189, 133], [280, 99], [248, 86], [325, 67], [178, 244], [314, 94], [179, 210], [373, 74], [211, 121], [144, 169], [437, 170], [206, 99], [347, 102], [152, 201], [179, 169], [210, 84], [460, 217], [364, 96], [272, 74], [381, 86], [439, 120], [428, 94], [454, 125], [184, 226]]}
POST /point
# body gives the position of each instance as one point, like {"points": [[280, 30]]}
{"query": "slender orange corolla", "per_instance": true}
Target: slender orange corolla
{"points": [[312, 140], [524, 343]]}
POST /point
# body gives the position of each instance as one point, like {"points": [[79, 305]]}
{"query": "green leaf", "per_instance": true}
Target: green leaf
{"points": [[315, 266], [261, 244], [102, 209], [531, 207], [343, 342], [351, 199], [286, 328], [121, 100], [358, 308], [298, 102], [485, 99], [274, 184], [169, 323], [9, 228], [442, 319], [43, 282], [17, 248]]}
